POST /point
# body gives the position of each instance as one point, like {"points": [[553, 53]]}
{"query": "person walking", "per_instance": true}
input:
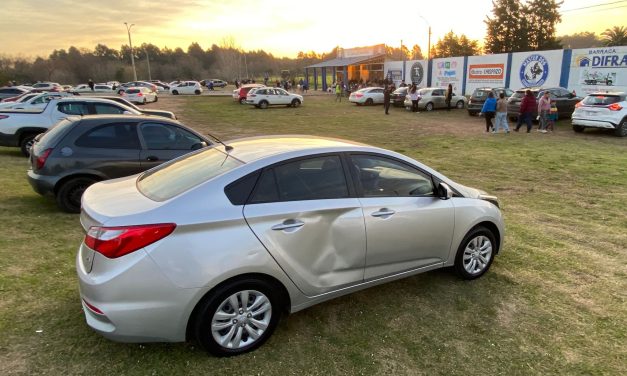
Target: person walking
{"points": [[449, 97], [527, 106], [488, 110], [501, 115], [338, 91], [414, 96], [387, 94], [544, 110], [91, 84]]}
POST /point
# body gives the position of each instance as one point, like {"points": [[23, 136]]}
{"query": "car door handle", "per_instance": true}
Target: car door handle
{"points": [[289, 224], [152, 158], [384, 213]]}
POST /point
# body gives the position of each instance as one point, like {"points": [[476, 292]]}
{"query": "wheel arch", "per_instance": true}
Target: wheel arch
{"points": [[285, 296], [65, 179], [494, 229]]}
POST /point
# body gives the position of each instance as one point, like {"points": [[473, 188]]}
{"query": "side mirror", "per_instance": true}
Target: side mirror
{"points": [[444, 191]]}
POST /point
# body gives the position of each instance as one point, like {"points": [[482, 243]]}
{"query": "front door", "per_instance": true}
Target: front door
{"points": [[303, 214], [407, 226]]}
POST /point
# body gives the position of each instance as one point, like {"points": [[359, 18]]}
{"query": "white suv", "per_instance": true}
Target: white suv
{"points": [[602, 110], [272, 96]]}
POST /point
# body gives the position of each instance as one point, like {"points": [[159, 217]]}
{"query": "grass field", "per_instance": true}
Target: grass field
{"points": [[554, 301]]}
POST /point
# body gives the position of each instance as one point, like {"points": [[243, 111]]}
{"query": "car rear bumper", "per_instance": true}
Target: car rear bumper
{"points": [[42, 184], [594, 123], [137, 303]]}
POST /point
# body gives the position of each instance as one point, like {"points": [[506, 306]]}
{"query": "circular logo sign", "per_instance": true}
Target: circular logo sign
{"points": [[534, 71], [416, 73]]}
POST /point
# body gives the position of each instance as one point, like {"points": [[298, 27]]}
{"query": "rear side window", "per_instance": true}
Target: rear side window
{"points": [[601, 100], [110, 136], [171, 179], [73, 108]]}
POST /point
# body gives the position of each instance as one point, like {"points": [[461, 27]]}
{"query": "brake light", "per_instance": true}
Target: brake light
{"points": [[41, 159], [358, 95], [615, 107], [114, 242], [3, 116], [93, 308], [140, 95], [579, 104]]}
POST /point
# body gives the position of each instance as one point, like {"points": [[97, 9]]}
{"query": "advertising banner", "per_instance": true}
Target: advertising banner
{"points": [[393, 70], [485, 71], [536, 68], [598, 70], [416, 72], [447, 71]]}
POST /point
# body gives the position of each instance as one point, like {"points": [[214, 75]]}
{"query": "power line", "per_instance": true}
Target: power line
{"points": [[604, 9], [596, 5]]}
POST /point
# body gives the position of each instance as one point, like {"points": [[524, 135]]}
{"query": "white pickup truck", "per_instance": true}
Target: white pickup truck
{"points": [[18, 128]]}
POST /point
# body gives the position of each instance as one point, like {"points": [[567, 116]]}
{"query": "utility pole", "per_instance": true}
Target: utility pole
{"points": [[429, 42], [148, 62], [128, 30]]}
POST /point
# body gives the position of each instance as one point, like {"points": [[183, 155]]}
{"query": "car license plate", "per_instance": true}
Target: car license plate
{"points": [[592, 113]]}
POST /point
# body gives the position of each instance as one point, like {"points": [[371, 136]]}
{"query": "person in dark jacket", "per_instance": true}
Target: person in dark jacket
{"points": [[527, 106], [387, 93], [91, 84], [488, 110], [449, 97]]}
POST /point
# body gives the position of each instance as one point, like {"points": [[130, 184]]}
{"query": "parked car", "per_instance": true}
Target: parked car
{"points": [[11, 91], [145, 111], [19, 99], [37, 102], [479, 95], [18, 128], [214, 81], [98, 88], [272, 96], [161, 86], [565, 101], [367, 96], [47, 86], [141, 95], [240, 93], [602, 110], [120, 89], [398, 96], [432, 98], [217, 244], [187, 87], [78, 152]]}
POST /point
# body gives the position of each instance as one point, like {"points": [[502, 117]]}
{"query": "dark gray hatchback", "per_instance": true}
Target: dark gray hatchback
{"points": [[80, 151]]}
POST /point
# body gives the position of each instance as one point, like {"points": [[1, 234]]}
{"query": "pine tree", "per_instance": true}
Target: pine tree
{"points": [[542, 18], [507, 29]]}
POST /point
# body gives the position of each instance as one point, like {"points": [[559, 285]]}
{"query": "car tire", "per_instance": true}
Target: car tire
{"points": [[69, 194], [144, 101], [459, 105], [25, 144], [217, 319], [621, 130], [578, 128], [369, 102], [429, 106], [475, 253], [263, 105], [175, 92], [243, 101], [197, 92], [120, 92], [295, 103]]}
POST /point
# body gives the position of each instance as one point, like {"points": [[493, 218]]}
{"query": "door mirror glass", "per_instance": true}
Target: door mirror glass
{"points": [[444, 191]]}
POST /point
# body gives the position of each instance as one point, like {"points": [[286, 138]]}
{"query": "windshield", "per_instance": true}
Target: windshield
{"points": [[171, 179]]}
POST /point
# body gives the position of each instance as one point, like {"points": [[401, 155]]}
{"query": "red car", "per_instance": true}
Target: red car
{"points": [[240, 94]]}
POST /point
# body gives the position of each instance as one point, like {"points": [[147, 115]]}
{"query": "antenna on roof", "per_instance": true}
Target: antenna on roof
{"points": [[226, 147]]}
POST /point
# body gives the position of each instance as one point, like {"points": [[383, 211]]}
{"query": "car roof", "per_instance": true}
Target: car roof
{"points": [[99, 119], [254, 148], [620, 93]]}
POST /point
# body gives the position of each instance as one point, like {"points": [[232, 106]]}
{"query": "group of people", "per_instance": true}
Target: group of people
{"points": [[497, 109]]}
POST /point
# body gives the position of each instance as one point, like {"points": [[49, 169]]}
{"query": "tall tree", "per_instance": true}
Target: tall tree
{"points": [[453, 45], [584, 39], [542, 18], [616, 36], [507, 29], [416, 53]]}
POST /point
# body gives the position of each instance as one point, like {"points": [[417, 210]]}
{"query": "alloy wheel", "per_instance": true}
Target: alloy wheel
{"points": [[477, 254]]}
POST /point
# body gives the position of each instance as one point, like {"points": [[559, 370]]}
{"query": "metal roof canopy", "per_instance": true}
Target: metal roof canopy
{"points": [[345, 61]]}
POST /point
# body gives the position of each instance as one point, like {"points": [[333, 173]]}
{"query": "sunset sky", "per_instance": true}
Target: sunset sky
{"points": [[37, 27]]}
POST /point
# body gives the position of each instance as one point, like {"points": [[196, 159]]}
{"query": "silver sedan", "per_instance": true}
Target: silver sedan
{"points": [[367, 96], [432, 98], [217, 244]]}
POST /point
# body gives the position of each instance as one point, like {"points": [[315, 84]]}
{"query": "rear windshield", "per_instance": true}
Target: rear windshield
{"points": [[52, 137], [172, 179], [132, 91], [601, 100], [481, 93]]}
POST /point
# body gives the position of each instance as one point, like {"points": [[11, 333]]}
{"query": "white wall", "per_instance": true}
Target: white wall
{"points": [[536, 68], [488, 70], [590, 69], [416, 71], [445, 71]]}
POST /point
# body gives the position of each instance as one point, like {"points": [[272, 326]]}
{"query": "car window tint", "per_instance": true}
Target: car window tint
{"points": [[239, 191], [110, 136], [266, 189], [311, 179], [73, 108], [158, 136], [380, 176], [105, 108]]}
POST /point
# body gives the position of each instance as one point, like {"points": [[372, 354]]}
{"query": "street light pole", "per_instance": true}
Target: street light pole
{"points": [[128, 30], [429, 41]]}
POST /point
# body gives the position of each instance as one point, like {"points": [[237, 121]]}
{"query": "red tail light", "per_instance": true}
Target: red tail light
{"points": [[93, 308], [615, 107], [114, 242], [140, 95], [579, 104], [3, 116], [358, 95], [41, 159]]}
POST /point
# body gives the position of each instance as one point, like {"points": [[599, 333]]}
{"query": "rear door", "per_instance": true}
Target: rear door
{"points": [[438, 98], [162, 142], [305, 215]]}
